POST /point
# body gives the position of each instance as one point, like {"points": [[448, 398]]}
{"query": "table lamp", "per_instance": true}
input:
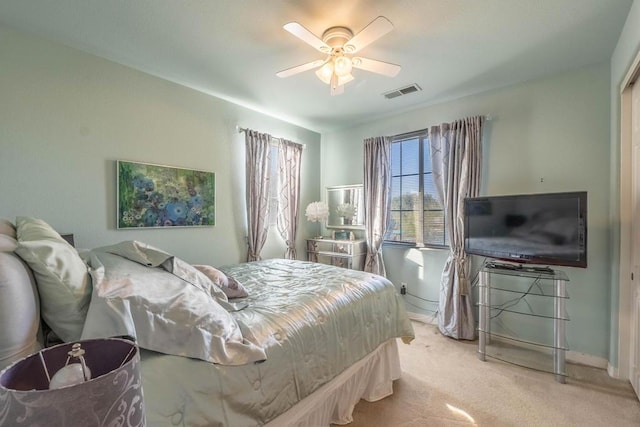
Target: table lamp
{"points": [[317, 212], [87, 383]]}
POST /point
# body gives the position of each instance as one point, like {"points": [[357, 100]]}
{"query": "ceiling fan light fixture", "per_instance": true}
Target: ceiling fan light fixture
{"points": [[339, 43], [342, 80], [325, 72], [342, 66]]}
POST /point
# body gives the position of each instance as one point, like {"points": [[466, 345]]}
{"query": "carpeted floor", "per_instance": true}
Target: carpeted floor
{"points": [[445, 384]]}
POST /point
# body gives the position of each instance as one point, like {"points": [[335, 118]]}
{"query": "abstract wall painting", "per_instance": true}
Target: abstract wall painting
{"points": [[155, 196]]}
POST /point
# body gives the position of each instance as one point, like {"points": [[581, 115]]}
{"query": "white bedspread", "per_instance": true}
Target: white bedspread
{"points": [[314, 322]]}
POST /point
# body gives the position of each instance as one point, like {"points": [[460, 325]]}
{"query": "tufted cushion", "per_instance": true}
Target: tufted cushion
{"points": [[19, 308], [61, 276]]}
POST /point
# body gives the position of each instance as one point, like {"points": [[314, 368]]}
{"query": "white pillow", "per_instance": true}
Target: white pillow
{"points": [[163, 311], [150, 256], [61, 276], [19, 308]]}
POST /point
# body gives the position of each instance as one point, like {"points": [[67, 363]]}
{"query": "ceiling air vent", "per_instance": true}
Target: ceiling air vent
{"points": [[402, 91]]}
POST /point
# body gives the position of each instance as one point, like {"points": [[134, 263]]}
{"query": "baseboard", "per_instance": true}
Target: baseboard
{"points": [[429, 320], [613, 372], [588, 360]]}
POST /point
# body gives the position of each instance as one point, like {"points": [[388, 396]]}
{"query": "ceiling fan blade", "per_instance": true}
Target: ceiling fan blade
{"points": [[372, 32], [307, 36], [299, 68], [375, 66]]}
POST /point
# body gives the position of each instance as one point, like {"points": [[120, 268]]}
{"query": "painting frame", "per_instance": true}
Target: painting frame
{"points": [[150, 195]]}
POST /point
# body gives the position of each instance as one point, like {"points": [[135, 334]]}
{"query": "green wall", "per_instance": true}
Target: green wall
{"points": [[66, 117], [547, 135]]}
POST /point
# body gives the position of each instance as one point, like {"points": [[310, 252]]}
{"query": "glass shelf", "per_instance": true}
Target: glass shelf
{"points": [[526, 271], [526, 308], [538, 358], [542, 289], [522, 317], [527, 343]]}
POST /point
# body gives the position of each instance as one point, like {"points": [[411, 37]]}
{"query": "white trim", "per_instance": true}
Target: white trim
{"points": [[418, 317], [624, 285], [622, 371], [613, 371], [588, 360], [632, 73]]}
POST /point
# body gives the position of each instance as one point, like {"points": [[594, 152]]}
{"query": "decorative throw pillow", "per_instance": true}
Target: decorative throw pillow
{"points": [[230, 286], [61, 276]]}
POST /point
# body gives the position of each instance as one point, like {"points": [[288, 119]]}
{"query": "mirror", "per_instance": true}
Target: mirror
{"points": [[346, 207]]}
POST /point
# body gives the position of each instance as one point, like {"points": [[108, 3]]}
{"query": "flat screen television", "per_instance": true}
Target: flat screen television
{"points": [[546, 228]]}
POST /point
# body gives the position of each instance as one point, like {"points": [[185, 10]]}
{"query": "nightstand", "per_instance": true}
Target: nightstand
{"points": [[341, 253]]}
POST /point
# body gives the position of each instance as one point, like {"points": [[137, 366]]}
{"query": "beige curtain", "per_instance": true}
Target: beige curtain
{"points": [[289, 158], [257, 187], [377, 184], [456, 156]]}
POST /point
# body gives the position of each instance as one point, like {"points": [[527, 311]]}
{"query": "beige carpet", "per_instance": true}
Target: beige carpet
{"points": [[445, 384]]}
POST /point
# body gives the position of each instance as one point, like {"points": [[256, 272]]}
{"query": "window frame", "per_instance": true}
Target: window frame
{"points": [[423, 138]]}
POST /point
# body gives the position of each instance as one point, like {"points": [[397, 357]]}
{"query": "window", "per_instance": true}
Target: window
{"points": [[416, 215]]}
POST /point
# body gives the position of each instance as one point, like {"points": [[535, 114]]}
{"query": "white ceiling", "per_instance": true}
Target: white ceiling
{"points": [[232, 49]]}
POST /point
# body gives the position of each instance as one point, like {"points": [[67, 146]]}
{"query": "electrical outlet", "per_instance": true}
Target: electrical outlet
{"points": [[403, 288]]}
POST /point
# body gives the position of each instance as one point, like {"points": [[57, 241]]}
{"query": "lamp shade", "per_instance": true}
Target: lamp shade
{"points": [[317, 211], [112, 397], [342, 66]]}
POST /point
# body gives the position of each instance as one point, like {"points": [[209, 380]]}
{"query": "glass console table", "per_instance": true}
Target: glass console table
{"points": [[522, 316]]}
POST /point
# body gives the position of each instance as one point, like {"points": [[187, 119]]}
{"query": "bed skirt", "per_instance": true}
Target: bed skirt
{"points": [[371, 378]]}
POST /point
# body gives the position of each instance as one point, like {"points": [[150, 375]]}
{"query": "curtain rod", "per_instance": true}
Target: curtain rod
{"points": [[421, 131], [240, 130]]}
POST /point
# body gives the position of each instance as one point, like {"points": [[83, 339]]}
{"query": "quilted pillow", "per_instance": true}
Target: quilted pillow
{"points": [[230, 286], [61, 276], [19, 309]]}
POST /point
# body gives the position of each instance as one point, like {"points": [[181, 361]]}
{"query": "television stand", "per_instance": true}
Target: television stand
{"points": [[506, 293], [518, 267], [502, 265]]}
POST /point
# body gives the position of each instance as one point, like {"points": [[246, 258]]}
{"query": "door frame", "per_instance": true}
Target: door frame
{"points": [[623, 369]]}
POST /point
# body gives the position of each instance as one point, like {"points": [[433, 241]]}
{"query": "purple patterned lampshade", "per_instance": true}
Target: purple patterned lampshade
{"points": [[112, 397]]}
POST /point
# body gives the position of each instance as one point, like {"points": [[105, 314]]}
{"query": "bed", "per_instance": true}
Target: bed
{"points": [[305, 344]]}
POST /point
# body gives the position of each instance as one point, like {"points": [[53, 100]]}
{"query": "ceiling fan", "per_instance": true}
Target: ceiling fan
{"points": [[339, 44]]}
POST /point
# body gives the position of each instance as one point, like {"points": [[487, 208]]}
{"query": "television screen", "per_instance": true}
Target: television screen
{"points": [[529, 228]]}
